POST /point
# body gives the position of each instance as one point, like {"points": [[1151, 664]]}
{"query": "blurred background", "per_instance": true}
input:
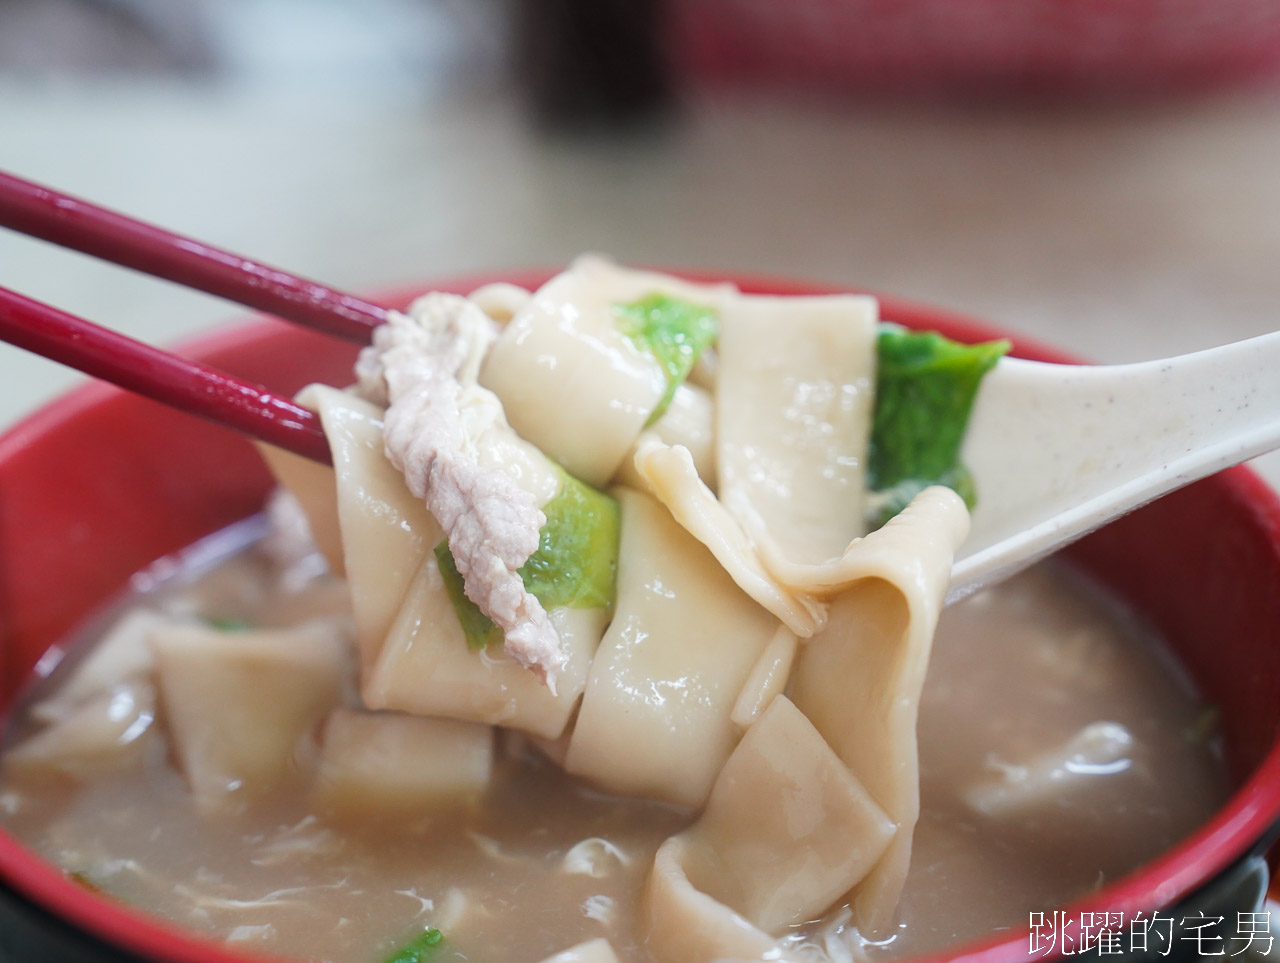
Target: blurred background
{"points": [[1103, 174]]}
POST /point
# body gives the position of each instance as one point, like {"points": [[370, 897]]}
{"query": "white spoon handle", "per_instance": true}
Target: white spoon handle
{"points": [[1058, 450]]}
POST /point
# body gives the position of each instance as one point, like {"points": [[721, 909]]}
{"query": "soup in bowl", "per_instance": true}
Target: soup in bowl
{"points": [[101, 485]]}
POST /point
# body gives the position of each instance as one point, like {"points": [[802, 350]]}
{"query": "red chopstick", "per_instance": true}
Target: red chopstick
{"points": [[69, 222], [183, 384]]}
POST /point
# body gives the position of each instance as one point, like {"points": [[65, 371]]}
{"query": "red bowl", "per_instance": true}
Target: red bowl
{"points": [[100, 483]]}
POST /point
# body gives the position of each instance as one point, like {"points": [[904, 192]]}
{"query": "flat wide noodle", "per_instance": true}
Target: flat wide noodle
{"points": [[386, 532], [109, 730], [670, 475], [768, 677], [1053, 774], [313, 485], [859, 679], [685, 925], [571, 382], [593, 951], [656, 716], [500, 300], [426, 668], [239, 703], [689, 421], [794, 394], [398, 768], [787, 829], [123, 654]]}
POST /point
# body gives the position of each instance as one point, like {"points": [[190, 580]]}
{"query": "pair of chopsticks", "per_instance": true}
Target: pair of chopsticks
{"points": [[187, 385]]}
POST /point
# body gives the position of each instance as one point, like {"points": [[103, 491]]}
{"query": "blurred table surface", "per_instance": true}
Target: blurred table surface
{"points": [[1119, 233]]}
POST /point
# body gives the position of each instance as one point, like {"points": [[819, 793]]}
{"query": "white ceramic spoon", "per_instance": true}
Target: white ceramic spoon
{"points": [[1059, 450]]}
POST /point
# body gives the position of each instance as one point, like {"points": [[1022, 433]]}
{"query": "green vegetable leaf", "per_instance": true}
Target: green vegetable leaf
{"points": [[675, 332], [477, 627], [925, 387], [420, 949], [575, 566], [85, 881]]}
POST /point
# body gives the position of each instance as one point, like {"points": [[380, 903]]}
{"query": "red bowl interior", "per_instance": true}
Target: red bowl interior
{"points": [[101, 483]]}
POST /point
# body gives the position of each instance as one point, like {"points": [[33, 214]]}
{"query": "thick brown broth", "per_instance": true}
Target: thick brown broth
{"points": [[1016, 672]]}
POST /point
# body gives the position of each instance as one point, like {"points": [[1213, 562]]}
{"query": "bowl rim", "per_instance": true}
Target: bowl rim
{"points": [[1241, 825]]}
